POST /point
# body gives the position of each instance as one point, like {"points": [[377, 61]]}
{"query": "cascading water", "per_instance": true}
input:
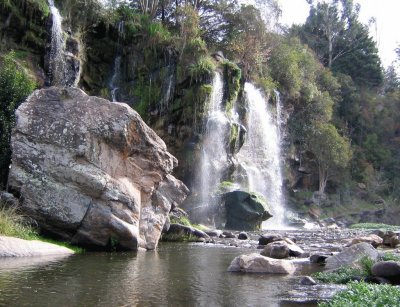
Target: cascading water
{"points": [[214, 155], [56, 59], [116, 77], [260, 154]]}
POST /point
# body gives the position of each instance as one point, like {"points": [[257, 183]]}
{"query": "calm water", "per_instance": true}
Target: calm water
{"points": [[175, 275]]}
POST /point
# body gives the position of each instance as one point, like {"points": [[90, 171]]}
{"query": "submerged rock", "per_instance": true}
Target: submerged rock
{"points": [[244, 211], [256, 263], [91, 171], [307, 281]]}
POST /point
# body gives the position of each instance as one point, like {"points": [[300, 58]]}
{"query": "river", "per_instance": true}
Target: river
{"points": [[176, 274]]}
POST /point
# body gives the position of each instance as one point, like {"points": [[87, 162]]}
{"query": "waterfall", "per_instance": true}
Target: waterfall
{"points": [[56, 59], [213, 159], [260, 155], [116, 76]]}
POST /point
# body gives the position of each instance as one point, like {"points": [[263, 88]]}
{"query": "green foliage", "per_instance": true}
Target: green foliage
{"points": [[15, 85], [202, 70], [362, 294], [232, 75], [343, 275], [375, 226], [12, 224], [391, 257], [183, 220]]}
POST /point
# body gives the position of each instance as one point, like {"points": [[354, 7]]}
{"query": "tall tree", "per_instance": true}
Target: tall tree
{"points": [[342, 43]]}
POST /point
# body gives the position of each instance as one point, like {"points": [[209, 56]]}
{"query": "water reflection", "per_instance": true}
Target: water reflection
{"points": [[176, 274]]}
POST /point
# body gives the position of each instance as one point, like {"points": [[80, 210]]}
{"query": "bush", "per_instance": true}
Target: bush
{"points": [[15, 85], [362, 294]]}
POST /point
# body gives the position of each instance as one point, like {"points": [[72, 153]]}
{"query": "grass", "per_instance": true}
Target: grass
{"points": [[390, 257], [346, 274], [362, 294], [13, 224], [375, 226], [342, 275]]}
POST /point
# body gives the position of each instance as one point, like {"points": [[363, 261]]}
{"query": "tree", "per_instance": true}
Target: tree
{"points": [[332, 152], [341, 42], [15, 85]]}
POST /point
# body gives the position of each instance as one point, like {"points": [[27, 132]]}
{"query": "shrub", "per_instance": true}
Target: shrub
{"points": [[362, 294], [12, 224], [15, 85]]}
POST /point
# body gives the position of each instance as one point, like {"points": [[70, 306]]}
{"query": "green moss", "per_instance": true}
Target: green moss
{"points": [[174, 237], [183, 220], [232, 75], [202, 70], [362, 294], [233, 138], [391, 257]]}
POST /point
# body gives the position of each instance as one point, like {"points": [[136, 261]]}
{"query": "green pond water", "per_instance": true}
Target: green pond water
{"points": [[177, 274]]}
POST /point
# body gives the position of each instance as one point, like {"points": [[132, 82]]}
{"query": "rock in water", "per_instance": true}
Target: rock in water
{"points": [[92, 171], [256, 263], [245, 211]]}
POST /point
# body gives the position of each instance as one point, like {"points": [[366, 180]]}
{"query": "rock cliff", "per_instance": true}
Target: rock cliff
{"points": [[92, 171]]}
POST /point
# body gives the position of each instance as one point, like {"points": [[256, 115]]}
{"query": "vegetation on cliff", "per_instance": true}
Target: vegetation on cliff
{"points": [[343, 130]]}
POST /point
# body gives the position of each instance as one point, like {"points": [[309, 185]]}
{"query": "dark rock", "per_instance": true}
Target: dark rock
{"points": [[377, 280], [268, 238], [351, 255], [387, 269], [307, 281], [8, 199], [243, 236], [319, 258], [244, 211]]}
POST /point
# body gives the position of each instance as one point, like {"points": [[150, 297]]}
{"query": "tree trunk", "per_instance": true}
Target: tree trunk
{"points": [[323, 178]]}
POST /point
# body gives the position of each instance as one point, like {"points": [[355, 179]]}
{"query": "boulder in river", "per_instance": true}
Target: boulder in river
{"points": [[91, 171], [276, 250], [244, 210], [256, 263], [372, 239], [351, 255]]}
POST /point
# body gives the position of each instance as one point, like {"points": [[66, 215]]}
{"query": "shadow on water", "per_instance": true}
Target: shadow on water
{"points": [[176, 274]]}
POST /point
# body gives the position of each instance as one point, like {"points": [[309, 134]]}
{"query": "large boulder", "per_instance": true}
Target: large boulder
{"points": [[245, 211], [351, 255], [92, 171], [256, 263], [387, 269]]}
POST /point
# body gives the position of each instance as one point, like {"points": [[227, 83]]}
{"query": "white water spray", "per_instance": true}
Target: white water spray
{"points": [[214, 155], [260, 155], [116, 77], [56, 59]]}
